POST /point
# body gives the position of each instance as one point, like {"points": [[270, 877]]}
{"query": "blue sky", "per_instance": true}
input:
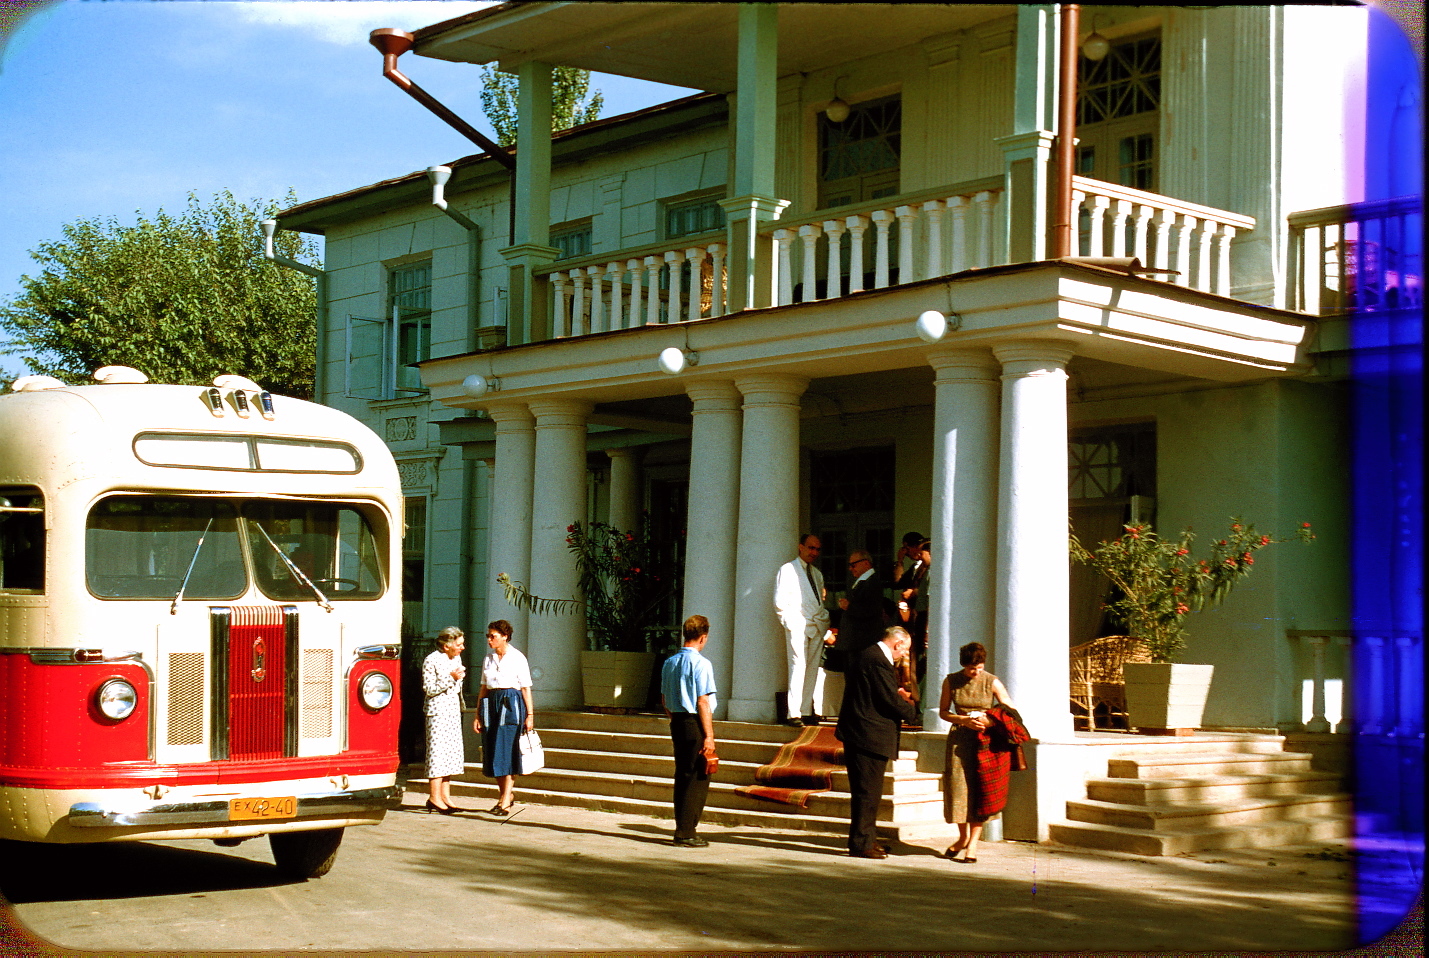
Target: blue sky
{"points": [[114, 107]]}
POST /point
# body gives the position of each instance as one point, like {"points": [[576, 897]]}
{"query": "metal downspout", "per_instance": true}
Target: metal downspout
{"points": [[392, 44], [439, 175], [270, 226], [1063, 225]]}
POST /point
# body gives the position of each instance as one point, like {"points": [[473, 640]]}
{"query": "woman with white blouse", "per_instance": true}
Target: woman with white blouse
{"points": [[503, 711], [442, 674]]}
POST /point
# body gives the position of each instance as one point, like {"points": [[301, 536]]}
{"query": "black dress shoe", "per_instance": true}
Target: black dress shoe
{"points": [[795, 722], [810, 720], [875, 852], [694, 841]]}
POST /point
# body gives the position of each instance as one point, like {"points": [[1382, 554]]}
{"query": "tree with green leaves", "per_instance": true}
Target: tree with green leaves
{"points": [[572, 101], [181, 297]]}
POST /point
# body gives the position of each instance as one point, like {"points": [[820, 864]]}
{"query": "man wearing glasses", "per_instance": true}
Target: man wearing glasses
{"points": [[799, 603], [862, 622]]}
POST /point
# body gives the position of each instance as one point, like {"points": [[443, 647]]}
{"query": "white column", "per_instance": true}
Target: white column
{"points": [[712, 526], [624, 488], [652, 290], [933, 213], [785, 279], [961, 253], [636, 290], [560, 324], [809, 233], [882, 219], [1183, 250], [554, 643], [717, 287], [674, 258], [511, 483], [597, 298], [834, 229], [1097, 226], [984, 202], [616, 272], [1032, 570], [768, 530], [578, 312], [1223, 260], [695, 256], [857, 226], [906, 216], [1120, 212], [962, 579]]}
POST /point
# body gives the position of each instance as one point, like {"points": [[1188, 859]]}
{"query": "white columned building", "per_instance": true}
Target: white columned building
{"points": [[513, 468], [712, 525], [768, 534], [1032, 578], [558, 500], [963, 580]]}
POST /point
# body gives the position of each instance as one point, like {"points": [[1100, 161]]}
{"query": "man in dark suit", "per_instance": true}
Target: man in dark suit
{"points": [[862, 621], [869, 721]]}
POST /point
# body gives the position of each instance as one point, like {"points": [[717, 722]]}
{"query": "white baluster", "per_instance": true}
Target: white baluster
{"points": [[1318, 722], [695, 256], [597, 298], [1121, 211], [1183, 250], [717, 285], [636, 292], [907, 216], [1139, 228], [1079, 199], [1164, 219], [652, 290], [578, 325], [1097, 207], [810, 233], [560, 322], [834, 230], [933, 214], [673, 259], [616, 272], [882, 219], [1203, 258], [983, 202], [1223, 259], [958, 206], [783, 238], [857, 226]]}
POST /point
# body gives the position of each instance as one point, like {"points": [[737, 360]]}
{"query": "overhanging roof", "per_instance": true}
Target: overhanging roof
{"points": [[687, 44]]}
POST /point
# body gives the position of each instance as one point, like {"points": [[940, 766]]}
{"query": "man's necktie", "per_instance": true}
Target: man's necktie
{"points": [[809, 571]]}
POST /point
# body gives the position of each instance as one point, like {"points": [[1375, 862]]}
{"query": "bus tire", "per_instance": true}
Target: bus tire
{"points": [[307, 854]]}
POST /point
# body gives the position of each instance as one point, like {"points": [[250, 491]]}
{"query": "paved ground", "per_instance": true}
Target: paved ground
{"points": [[556, 878]]}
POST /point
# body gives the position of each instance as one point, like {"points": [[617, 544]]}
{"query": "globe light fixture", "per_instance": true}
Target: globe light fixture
{"points": [[673, 359]]}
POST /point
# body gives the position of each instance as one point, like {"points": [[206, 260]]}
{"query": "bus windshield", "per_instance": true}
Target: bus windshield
{"points": [[166, 547]]}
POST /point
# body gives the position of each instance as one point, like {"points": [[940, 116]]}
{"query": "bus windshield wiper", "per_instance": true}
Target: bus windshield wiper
{"points": [[193, 560], [297, 573]]}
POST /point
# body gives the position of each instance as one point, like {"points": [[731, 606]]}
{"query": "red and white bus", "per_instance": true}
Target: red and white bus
{"points": [[199, 623]]}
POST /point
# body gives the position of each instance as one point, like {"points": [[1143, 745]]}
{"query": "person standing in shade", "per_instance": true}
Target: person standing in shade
{"points": [[503, 711], [687, 691], [869, 719], [442, 674], [799, 603], [863, 619]]}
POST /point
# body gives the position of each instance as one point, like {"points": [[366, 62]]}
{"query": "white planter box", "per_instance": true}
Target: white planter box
{"points": [[1166, 695]]}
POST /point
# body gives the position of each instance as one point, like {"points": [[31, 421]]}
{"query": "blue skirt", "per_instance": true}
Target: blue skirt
{"points": [[503, 713]]}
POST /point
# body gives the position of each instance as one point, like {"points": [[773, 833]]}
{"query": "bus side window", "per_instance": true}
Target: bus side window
{"points": [[22, 539]]}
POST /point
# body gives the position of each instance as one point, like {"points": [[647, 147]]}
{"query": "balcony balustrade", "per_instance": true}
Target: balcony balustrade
{"points": [[1362, 257], [1386, 669], [910, 237]]}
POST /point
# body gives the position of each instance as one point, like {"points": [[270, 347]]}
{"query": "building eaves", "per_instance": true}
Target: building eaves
{"points": [[480, 169]]}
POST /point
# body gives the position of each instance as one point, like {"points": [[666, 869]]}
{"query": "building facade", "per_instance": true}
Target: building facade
{"points": [[821, 295]]}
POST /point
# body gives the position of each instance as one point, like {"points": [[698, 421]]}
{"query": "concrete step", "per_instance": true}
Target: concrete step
{"points": [[1192, 817], [905, 780], [641, 743], [1195, 764], [1138, 841], [1228, 742], [659, 725], [1158, 791]]}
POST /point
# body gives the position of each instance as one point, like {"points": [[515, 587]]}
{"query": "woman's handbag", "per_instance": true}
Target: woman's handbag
{"points": [[533, 755]]}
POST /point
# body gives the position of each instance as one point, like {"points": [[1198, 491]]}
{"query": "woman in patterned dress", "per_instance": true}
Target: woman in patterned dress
{"points": [[442, 674], [503, 711], [967, 695]]}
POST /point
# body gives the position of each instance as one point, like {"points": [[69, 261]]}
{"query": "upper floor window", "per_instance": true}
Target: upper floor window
{"points": [[692, 217], [380, 352], [572, 241], [860, 158], [1119, 114]]}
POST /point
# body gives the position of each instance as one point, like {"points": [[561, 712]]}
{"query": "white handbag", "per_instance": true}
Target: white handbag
{"points": [[533, 755]]}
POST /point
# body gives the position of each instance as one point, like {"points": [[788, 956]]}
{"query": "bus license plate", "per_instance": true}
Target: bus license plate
{"points": [[257, 809]]}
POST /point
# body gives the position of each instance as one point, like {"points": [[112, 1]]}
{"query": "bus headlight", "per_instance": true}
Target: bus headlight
{"points": [[376, 690], [116, 699]]}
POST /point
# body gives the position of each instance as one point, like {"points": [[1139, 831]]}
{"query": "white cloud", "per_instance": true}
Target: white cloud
{"points": [[347, 22]]}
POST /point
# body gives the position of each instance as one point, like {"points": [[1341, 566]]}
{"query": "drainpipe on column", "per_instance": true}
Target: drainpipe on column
{"points": [[1063, 227], [439, 175], [270, 226], [392, 44]]}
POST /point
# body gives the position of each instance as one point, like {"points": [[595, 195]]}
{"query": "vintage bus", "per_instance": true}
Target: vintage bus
{"points": [[198, 617]]}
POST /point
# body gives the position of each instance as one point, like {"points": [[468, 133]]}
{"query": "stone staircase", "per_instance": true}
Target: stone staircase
{"points": [[1235, 791], [623, 763]]}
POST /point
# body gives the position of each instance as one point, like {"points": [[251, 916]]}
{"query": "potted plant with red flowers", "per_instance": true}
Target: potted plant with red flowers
{"points": [[620, 590], [1158, 583]]}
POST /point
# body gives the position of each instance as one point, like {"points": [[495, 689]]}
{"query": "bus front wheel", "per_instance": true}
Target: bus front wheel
{"points": [[307, 854]]}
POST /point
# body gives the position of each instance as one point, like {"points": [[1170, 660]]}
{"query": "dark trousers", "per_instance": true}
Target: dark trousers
{"points": [[691, 782], [865, 785]]}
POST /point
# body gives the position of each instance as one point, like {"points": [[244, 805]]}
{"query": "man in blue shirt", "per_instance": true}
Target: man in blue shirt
{"points": [[687, 690]]}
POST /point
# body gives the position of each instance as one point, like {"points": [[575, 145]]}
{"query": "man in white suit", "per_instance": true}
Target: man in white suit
{"points": [[799, 602]]}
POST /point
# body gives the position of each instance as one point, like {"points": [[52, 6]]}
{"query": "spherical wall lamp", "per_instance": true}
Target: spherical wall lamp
{"points": [[478, 385], [932, 325], [837, 110], [673, 360]]}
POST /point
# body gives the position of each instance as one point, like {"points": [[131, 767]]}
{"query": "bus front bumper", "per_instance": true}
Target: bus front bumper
{"points": [[311, 806]]}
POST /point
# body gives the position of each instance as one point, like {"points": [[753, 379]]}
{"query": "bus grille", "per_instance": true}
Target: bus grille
{"points": [[255, 682], [317, 693], [185, 698]]}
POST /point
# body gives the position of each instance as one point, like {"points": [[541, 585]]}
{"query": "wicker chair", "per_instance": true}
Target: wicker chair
{"points": [[1098, 691]]}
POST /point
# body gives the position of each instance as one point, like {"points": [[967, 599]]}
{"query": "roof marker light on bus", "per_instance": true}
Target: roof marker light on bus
{"points": [[265, 404], [215, 402], [240, 402], [115, 375]]}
